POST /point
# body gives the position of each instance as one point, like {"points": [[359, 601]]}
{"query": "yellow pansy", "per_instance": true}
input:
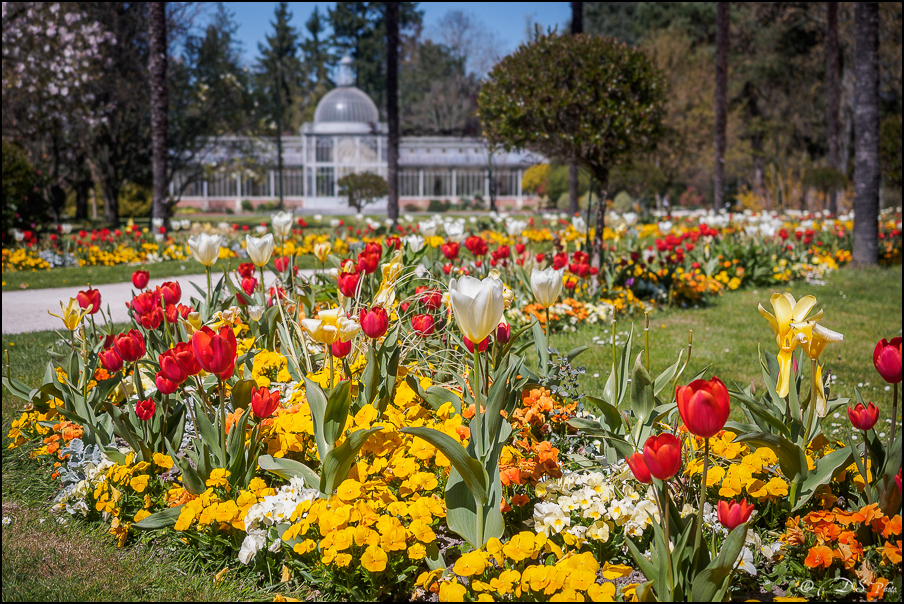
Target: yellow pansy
{"points": [[139, 483], [374, 559]]}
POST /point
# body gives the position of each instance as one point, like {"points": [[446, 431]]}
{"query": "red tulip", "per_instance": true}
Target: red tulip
{"points": [[863, 418], [140, 279], [215, 352], [503, 333], [393, 242], [519, 248], [281, 263], [639, 468], [430, 297], [887, 359], [368, 261], [476, 245], [145, 302], [172, 292], [165, 386], [341, 349], [374, 322], [662, 454], [423, 325], [130, 346], [898, 481], [348, 283], [246, 269], [734, 513], [145, 409], [172, 314], [249, 284], [108, 340], [480, 347], [264, 402], [703, 406], [152, 320], [170, 367], [110, 360], [184, 310], [185, 356], [450, 249], [373, 248], [91, 298]]}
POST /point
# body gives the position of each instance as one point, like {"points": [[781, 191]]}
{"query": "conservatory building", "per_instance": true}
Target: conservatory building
{"points": [[347, 137]]}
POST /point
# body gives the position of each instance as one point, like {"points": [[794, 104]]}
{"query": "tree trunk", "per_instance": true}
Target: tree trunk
{"points": [[111, 202], [597, 254], [577, 27], [866, 154], [392, 106], [81, 199], [157, 74], [721, 102], [833, 93]]}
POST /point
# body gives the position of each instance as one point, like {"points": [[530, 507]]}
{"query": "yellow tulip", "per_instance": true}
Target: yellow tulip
{"points": [[787, 311], [72, 314], [391, 271], [322, 250], [331, 326], [814, 338]]}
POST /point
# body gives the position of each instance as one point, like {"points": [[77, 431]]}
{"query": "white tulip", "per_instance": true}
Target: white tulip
{"points": [[415, 242], [665, 227], [205, 248], [546, 285], [514, 228], [260, 249], [455, 230], [477, 306], [579, 224], [157, 222], [67, 228], [318, 217], [282, 224], [256, 312], [630, 218], [428, 228], [334, 223]]}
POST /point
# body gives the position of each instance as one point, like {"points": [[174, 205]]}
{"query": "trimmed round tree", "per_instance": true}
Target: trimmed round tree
{"points": [[590, 100]]}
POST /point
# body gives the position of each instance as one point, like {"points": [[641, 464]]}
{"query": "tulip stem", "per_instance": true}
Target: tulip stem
{"points": [[222, 388], [136, 381], [894, 416], [702, 495], [614, 361], [646, 337], [263, 290], [662, 500], [329, 353], [207, 270], [813, 399], [547, 328], [866, 489], [478, 416]]}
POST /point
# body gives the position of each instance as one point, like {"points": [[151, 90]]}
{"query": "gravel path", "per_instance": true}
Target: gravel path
{"points": [[27, 311]]}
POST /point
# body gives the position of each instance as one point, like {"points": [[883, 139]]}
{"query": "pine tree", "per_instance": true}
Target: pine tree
{"points": [[317, 60], [279, 72]]}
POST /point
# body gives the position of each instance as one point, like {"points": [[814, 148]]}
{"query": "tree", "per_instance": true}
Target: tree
{"points": [[591, 100], [866, 171], [159, 108], [832, 93], [577, 27], [392, 106], [468, 40], [362, 188], [359, 28], [721, 102], [437, 96], [317, 58]]}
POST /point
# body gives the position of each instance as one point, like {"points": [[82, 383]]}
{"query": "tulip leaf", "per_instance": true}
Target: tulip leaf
{"points": [[289, 468], [611, 415], [190, 479], [167, 517], [209, 434], [317, 401], [241, 393], [572, 354], [235, 447], [339, 460], [336, 412], [643, 565], [540, 345], [826, 469], [663, 379], [371, 377], [642, 391], [472, 472], [761, 415], [711, 584]]}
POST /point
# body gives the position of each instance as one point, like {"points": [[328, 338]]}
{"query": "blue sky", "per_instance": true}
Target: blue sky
{"points": [[505, 20]]}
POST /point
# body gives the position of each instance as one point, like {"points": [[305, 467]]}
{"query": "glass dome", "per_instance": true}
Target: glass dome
{"points": [[346, 105]]}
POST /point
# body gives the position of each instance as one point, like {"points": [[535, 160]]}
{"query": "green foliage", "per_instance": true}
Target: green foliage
{"points": [[824, 179], [135, 200], [362, 188], [23, 204], [890, 149], [576, 98]]}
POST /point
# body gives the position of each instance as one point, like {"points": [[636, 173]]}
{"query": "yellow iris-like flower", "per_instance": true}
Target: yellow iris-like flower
{"points": [[787, 311], [814, 338], [72, 314], [391, 271]]}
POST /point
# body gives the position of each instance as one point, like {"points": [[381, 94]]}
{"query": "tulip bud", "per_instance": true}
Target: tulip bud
{"points": [[165, 386], [348, 283], [140, 279], [374, 322], [322, 250], [480, 347], [662, 454], [259, 249], [256, 312], [341, 349], [863, 418], [172, 292], [478, 306], [110, 360], [732, 514], [130, 346], [145, 409], [90, 300], [205, 248], [249, 284], [282, 224], [264, 402], [215, 352], [704, 406], [546, 285], [246, 270], [503, 333], [639, 468], [887, 359], [423, 325]]}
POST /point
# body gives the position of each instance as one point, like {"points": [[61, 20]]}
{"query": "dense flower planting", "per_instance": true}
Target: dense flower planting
{"points": [[378, 432]]}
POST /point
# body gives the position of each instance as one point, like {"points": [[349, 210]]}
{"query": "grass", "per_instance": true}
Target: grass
{"points": [[76, 276]]}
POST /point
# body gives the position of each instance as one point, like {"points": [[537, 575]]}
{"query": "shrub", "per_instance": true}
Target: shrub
{"points": [[24, 207], [135, 201], [247, 206]]}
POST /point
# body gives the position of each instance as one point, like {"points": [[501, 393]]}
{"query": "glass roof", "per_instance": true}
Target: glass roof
{"points": [[346, 104]]}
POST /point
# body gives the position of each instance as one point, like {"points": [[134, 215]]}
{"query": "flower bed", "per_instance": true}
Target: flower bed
{"points": [[376, 432]]}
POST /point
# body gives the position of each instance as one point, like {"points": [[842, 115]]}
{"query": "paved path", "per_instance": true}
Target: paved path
{"points": [[27, 311]]}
